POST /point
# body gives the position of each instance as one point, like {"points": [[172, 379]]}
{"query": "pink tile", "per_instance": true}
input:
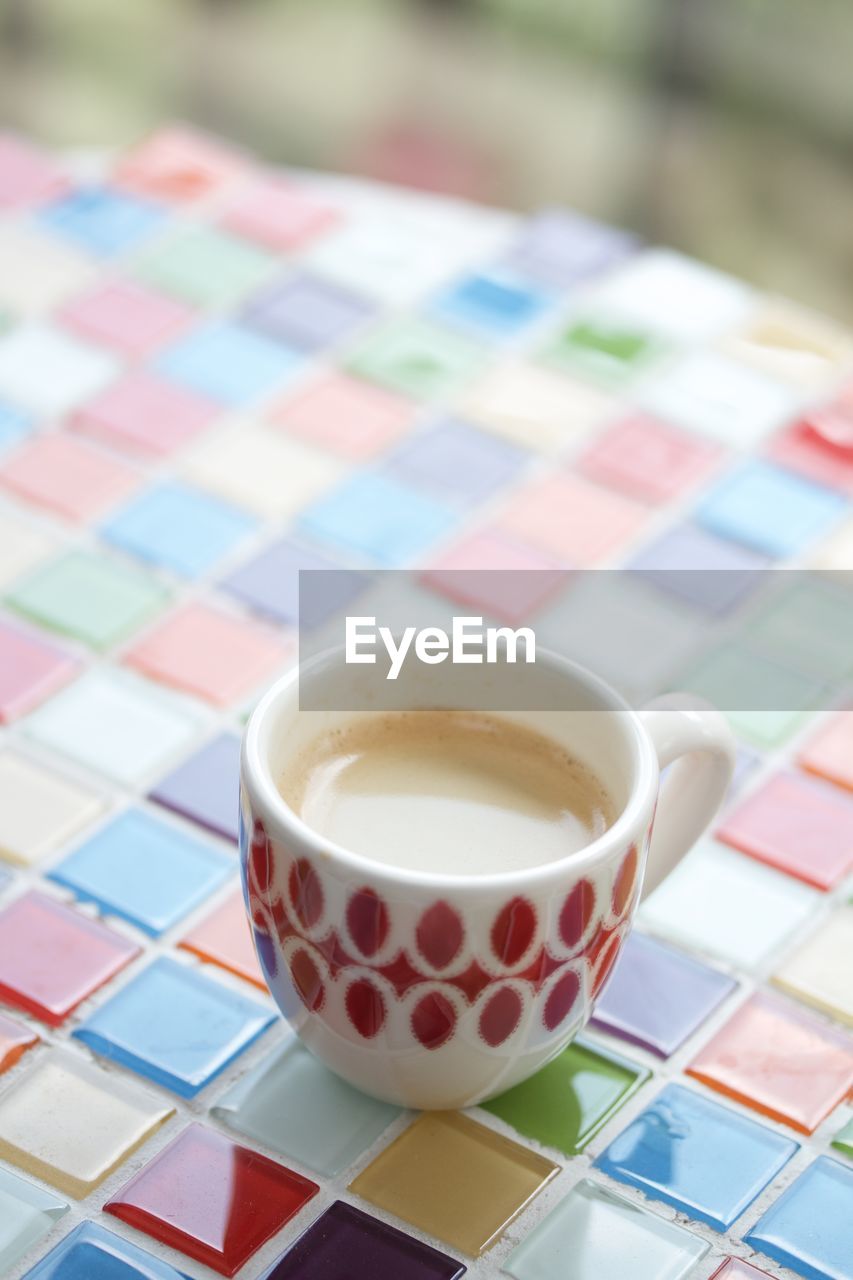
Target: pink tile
{"points": [[648, 459], [145, 414], [30, 670], [344, 415], [571, 519], [26, 173], [277, 213], [67, 476], [179, 163], [489, 571], [209, 653], [830, 751], [812, 454], [798, 824], [126, 317]]}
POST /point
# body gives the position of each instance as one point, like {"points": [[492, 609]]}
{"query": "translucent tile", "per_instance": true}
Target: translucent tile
{"points": [[770, 510], [89, 597], [736, 1269], [204, 787], [570, 518], [213, 1200], [91, 1253], [810, 1227], [175, 1025], [144, 870], [344, 415], [534, 407], [297, 1106], [269, 583], [648, 459], [102, 220], [37, 272], [180, 163], [229, 363], [418, 359], [779, 1060], [27, 1213], [145, 414], [686, 994], [307, 312], [77, 370], [67, 476], [454, 1179], [493, 304], [596, 1235], [39, 810], [26, 172], [807, 626], [377, 517], [260, 469], [604, 348], [843, 1140], [707, 1161], [819, 972], [344, 1242], [804, 449], [277, 213], [15, 1040], [52, 958], [797, 824], [117, 724], [174, 526], [206, 267], [727, 905], [30, 670], [22, 547], [126, 317], [515, 581], [708, 573], [792, 343], [566, 1103], [71, 1124], [455, 462], [829, 752], [14, 423], [224, 937], [560, 247]]}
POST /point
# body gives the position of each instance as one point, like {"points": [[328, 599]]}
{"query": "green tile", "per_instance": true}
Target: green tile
{"points": [[89, 597], [843, 1140], [807, 628], [206, 267], [418, 359], [607, 351], [566, 1103]]}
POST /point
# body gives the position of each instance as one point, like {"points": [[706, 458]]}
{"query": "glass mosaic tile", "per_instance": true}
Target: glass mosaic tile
{"points": [[205, 267], [67, 476], [819, 972], [492, 304], [520, 581], [228, 363], [648, 459], [27, 1214], [534, 407], [706, 1160], [769, 509], [176, 527], [77, 370], [418, 359], [204, 787], [456, 462], [344, 415], [89, 597], [212, 1199], [294, 1104], [810, 1227], [31, 668], [54, 272], [15, 1040], [117, 724], [277, 213], [736, 1269], [804, 450], [376, 516], [126, 317], [843, 1140], [149, 872], [223, 936], [829, 751], [259, 468], [39, 809], [52, 958], [780, 1060], [175, 1025], [455, 1180], [26, 172], [569, 518], [91, 1253], [179, 163], [686, 994], [22, 547], [143, 414], [706, 572], [269, 584], [102, 220], [792, 343], [14, 424], [593, 1234], [566, 1103], [604, 348], [718, 398], [306, 312], [561, 247], [344, 1242], [71, 1124], [806, 627]]}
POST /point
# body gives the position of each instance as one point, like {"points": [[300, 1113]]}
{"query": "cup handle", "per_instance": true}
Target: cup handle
{"points": [[696, 740]]}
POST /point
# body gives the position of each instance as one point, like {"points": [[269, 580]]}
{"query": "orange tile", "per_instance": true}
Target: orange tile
{"points": [[14, 1042], [223, 937], [830, 751]]}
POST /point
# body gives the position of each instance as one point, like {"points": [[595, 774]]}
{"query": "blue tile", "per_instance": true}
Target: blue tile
{"points": [[770, 510], [810, 1227], [91, 1253], [144, 870], [101, 220], [229, 363], [379, 518], [269, 583], [706, 1160], [178, 528], [176, 1026], [492, 303], [455, 462], [14, 425]]}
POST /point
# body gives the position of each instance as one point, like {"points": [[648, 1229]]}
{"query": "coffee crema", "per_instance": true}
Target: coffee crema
{"points": [[451, 792]]}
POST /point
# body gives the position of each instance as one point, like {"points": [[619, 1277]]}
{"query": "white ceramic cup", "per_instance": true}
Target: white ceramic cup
{"points": [[439, 991]]}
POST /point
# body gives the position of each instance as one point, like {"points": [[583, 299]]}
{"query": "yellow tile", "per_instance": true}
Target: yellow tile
{"points": [[821, 971], [21, 548], [38, 809], [72, 1124], [256, 467], [454, 1179], [792, 343], [535, 407]]}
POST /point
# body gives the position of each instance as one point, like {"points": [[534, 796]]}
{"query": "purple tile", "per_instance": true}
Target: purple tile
{"points": [[559, 247], [455, 461], [685, 993], [205, 787], [706, 572], [305, 312], [269, 583], [344, 1242]]}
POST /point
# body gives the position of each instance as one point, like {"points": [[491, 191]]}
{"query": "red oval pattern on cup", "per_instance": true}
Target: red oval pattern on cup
{"points": [[439, 935], [513, 930], [306, 893], [623, 885], [500, 1017], [307, 980], [433, 1020], [261, 858], [367, 921], [365, 1008], [576, 913], [561, 1000]]}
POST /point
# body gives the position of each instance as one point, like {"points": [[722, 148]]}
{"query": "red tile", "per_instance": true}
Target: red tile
{"points": [[52, 958], [145, 414], [14, 1042], [812, 454], [127, 317], [223, 937], [648, 459], [67, 476], [830, 752], [212, 1199], [569, 518]]}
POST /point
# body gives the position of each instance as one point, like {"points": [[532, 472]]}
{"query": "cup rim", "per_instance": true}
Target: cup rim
{"points": [[256, 777]]}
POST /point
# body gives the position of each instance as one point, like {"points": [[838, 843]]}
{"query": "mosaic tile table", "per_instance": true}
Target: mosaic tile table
{"points": [[212, 374]]}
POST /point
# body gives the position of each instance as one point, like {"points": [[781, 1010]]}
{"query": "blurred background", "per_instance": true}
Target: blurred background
{"points": [[722, 127]]}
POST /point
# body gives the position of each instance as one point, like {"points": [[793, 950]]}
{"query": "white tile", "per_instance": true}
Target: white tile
{"points": [[47, 372]]}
